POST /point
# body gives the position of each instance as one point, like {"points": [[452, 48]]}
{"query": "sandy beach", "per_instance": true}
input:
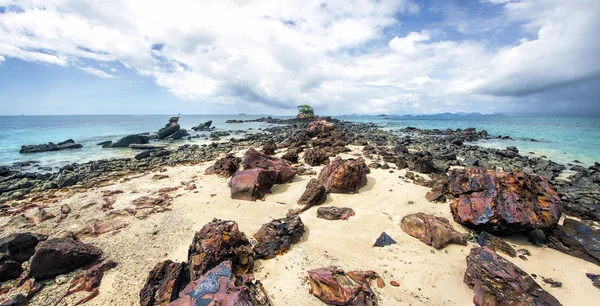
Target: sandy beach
{"points": [[426, 276]]}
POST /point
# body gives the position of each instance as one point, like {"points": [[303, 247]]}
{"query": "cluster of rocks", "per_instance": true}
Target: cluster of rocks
{"points": [[67, 144]]}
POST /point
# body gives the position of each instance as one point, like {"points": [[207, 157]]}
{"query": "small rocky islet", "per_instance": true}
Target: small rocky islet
{"points": [[491, 193]]}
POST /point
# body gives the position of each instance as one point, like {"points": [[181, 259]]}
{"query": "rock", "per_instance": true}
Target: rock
{"points": [[314, 194], [9, 268], [495, 244], [270, 147], [67, 144], [595, 278], [129, 140], [220, 286], [225, 166], [203, 126], [252, 184], [255, 159], [335, 213], [177, 135], [17, 300], [216, 242], [148, 146], [503, 202], [432, 230], [344, 176], [277, 236], [421, 163], [512, 148], [384, 240], [291, 155], [90, 281], [164, 283], [105, 144], [60, 255], [471, 162], [20, 246], [576, 239], [333, 286], [316, 157], [496, 281], [319, 128]]}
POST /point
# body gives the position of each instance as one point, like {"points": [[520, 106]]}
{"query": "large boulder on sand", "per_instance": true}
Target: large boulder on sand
{"points": [[434, 231], [576, 239], [497, 281], [333, 286], [61, 255], [256, 159], [20, 246], [252, 184], [316, 157], [277, 236], [218, 241], [164, 283], [314, 194], [503, 202], [225, 166], [344, 176]]}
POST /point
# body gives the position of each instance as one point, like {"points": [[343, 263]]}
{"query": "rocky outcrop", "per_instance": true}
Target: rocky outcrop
{"points": [[148, 146], [277, 236], [316, 157], [319, 128], [344, 176], [503, 202], [497, 281], [67, 144], [203, 126], [581, 194], [225, 167], [421, 162], [333, 286], [314, 194], [270, 147], [576, 239], [291, 155], [434, 231], [216, 242], [129, 140], [60, 255], [283, 169], [164, 283], [252, 184], [172, 130], [221, 286], [335, 213]]}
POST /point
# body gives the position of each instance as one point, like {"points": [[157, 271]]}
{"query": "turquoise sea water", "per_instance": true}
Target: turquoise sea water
{"points": [[560, 139]]}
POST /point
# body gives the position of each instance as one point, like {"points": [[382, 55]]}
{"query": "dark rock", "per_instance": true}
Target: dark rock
{"points": [[434, 231], [420, 162], [9, 268], [470, 161], [314, 194], [255, 159], [216, 242], [495, 244], [333, 286], [595, 278], [225, 167], [384, 240], [316, 157], [291, 155], [147, 146], [503, 202], [276, 237], [335, 213], [344, 176], [105, 144], [576, 239], [181, 133], [512, 148], [269, 148], [497, 281], [164, 283], [17, 300], [129, 140], [203, 126], [20, 246], [67, 144], [252, 184], [60, 255]]}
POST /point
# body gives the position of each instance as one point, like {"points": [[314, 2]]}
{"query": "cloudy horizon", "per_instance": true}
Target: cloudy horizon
{"points": [[266, 57]]}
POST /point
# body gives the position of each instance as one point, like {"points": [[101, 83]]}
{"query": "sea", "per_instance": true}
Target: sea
{"points": [[563, 140]]}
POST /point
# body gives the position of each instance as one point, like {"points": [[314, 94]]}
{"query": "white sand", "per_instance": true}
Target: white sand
{"points": [[426, 276]]}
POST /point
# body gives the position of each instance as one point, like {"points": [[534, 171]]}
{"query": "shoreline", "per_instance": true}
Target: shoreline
{"points": [[425, 275]]}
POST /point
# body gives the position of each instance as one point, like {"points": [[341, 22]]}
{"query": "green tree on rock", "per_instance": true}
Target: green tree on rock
{"points": [[305, 111]]}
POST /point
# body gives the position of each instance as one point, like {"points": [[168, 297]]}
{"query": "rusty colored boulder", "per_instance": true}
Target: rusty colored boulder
{"points": [[434, 231], [252, 184], [314, 194], [576, 239], [344, 176], [503, 202], [225, 166], [319, 128], [497, 281], [61, 255], [335, 213], [277, 236], [217, 241], [221, 286], [495, 244], [164, 283], [333, 286], [90, 281], [256, 159], [316, 157]]}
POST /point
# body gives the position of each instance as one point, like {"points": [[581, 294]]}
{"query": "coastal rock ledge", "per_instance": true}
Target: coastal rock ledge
{"points": [[47, 147]]}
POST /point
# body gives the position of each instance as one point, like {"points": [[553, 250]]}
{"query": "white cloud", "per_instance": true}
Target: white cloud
{"points": [[332, 54], [1, 59]]}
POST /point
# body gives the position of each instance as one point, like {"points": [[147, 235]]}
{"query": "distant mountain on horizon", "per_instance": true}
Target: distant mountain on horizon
{"points": [[440, 115]]}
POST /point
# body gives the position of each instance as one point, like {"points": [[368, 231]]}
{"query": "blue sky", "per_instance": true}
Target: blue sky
{"points": [[233, 56]]}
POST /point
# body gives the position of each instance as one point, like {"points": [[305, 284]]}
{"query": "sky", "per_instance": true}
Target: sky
{"points": [[539, 57]]}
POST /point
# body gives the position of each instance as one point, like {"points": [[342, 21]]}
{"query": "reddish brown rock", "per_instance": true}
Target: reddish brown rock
{"points": [[255, 159], [60, 255], [576, 239], [160, 177], [146, 205], [319, 128], [270, 147], [225, 166], [333, 286], [217, 241], [40, 216], [277, 236], [314, 194], [503, 202], [291, 155], [434, 231], [90, 281], [496, 244], [221, 286], [497, 281], [164, 283], [344, 176], [252, 184], [97, 227], [316, 157], [335, 213]]}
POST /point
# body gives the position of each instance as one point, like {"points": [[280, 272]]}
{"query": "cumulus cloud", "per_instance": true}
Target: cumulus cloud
{"points": [[337, 55]]}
